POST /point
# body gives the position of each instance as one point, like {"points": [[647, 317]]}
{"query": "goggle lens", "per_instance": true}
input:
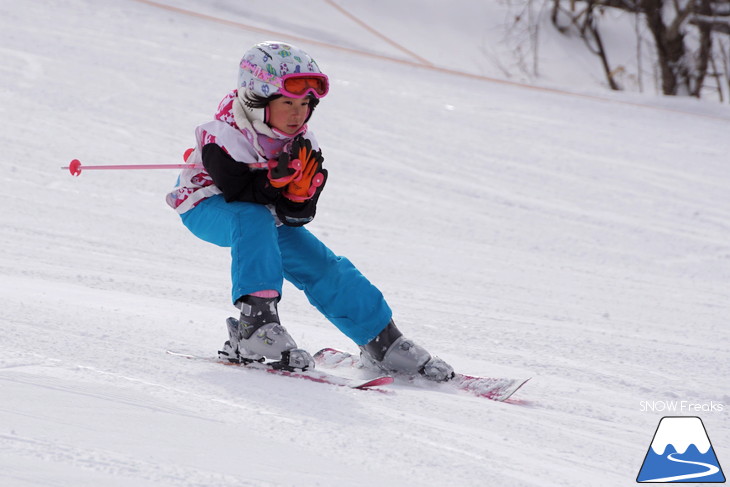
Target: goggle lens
{"points": [[299, 86]]}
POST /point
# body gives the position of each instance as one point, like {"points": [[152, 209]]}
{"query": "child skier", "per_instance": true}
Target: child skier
{"points": [[262, 179]]}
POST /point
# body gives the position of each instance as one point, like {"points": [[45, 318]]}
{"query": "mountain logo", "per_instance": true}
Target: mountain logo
{"points": [[681, 452]]}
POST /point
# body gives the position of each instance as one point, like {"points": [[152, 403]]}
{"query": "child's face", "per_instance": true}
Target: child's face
{"points": [[288, 114]]}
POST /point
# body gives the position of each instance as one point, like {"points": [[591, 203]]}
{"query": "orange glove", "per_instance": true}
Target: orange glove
{"points": [[312, 176], [284, 170]]}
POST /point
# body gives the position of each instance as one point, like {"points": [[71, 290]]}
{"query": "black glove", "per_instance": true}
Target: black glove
{"points": [[236, 180], [295, 214]]}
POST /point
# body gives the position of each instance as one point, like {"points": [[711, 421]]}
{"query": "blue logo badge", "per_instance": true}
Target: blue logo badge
{"points": [[681, 452]]}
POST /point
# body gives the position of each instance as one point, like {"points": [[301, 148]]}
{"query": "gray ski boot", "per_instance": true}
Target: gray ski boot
{"points": [[259, 335], [391, 352]]}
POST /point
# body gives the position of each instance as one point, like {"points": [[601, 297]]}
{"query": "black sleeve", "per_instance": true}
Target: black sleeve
{"points": [[236, 180]]}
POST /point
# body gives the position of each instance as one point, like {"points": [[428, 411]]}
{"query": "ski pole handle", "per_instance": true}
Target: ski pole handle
{"points": [[75, 167]]}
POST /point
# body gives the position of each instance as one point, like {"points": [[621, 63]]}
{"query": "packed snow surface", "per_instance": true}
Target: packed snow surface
{"points": [[571, 235]]}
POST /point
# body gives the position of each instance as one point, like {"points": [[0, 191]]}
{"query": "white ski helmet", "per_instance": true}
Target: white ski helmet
{"points": [[272, 67]]}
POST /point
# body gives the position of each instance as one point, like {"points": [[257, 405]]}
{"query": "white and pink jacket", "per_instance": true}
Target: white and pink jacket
{"points": [[251, 142]]}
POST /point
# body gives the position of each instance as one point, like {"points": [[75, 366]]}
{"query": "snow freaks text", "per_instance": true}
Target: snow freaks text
{"points": [[681, 407]]}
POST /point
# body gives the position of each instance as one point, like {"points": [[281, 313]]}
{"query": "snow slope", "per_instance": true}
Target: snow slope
{"points": [[580, 240]]}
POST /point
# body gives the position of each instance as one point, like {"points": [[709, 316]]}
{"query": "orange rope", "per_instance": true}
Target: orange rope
{"points": [[422, 64], [378, 34]]}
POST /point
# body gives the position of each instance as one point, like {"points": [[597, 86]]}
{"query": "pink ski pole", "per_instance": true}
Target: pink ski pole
{"points": [[75, 166]]}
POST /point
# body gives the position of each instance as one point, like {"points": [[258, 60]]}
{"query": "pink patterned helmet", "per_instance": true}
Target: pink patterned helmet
{"points": [[272, 67]]}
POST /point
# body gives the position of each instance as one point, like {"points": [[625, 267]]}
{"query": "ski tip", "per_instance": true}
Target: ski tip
{"points": [[378, 381], [180, 354], [328, 351], [373, 385], [331, 357], [518, 383], [496, 389]]}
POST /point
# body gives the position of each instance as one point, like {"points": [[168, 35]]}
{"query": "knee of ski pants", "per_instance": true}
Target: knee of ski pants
{"points": [[333, 285], [219, 222], [249, 230]]}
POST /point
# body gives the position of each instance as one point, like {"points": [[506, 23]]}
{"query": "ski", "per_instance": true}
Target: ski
{"points": [[495, 389], [310, 375]]}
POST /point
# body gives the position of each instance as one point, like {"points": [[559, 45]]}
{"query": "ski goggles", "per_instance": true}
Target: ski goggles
{"points": [[293, 85], [299, 85]]}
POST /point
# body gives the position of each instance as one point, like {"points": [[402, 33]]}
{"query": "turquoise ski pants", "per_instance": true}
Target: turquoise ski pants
{"points": [[262, 255]]}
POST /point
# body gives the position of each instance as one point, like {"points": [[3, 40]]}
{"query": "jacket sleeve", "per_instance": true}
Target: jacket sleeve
{"points": [[236, 180]]}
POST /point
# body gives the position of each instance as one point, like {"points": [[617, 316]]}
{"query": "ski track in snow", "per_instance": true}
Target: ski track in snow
{"points": [[515, 233], [711, 470]]}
